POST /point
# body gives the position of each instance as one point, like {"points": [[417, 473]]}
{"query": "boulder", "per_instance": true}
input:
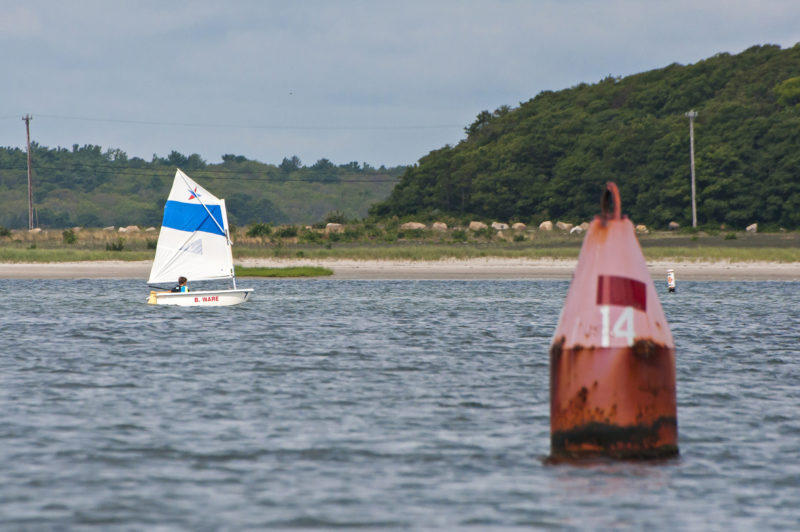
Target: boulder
{"points": [[477, 226], [577, 230], [642, 229], [150, 230], [752, 228], [499, 226], [109, 228], [563, 226], [412, 225], [519, 226], [35, 230], [439, 226], [673, 226], [77, 229], [334, 228], [129, 229], [546, 226], [585, 226]]}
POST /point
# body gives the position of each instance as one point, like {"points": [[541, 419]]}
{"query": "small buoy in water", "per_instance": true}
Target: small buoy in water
{"points": [[671, 280], [612, 361]]}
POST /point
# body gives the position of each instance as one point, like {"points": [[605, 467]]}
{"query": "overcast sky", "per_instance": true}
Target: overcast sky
{"points": [[382, 82]]}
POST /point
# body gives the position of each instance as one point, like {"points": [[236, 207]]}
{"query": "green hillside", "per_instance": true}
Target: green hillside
{"points": [[90, 187], [548, 158]]}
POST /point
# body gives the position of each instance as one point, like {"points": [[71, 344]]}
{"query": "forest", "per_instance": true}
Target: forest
{"points": [[549, 158], [91, 187]]}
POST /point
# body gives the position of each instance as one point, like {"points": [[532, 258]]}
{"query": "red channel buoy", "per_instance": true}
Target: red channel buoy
{"points": [[612, 361]]}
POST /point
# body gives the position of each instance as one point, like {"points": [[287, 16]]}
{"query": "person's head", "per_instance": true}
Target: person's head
{"points": [[181, 280]]}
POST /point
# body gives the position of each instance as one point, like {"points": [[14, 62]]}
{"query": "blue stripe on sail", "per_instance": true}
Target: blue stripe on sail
{"points": [[191, 217]]}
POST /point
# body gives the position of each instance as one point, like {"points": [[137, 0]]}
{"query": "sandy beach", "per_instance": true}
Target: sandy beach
{"points": [[483, 268]]}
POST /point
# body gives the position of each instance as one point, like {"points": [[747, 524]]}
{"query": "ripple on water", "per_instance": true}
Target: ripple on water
{"points": [[375, 404]]}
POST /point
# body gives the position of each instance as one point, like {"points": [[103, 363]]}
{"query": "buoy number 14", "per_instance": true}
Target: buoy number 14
{"points": [[623, 327]]}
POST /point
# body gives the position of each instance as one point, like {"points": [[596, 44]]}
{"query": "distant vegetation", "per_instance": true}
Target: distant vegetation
{"points": [[548, 158], [290, 271], [368, 240], [86, 186], [544, 160]]}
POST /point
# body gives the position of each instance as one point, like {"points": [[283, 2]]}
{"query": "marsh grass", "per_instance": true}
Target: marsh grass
{"points": [[296, 271], [412, 252], [724, 253], [68, 255], [376, 242]]}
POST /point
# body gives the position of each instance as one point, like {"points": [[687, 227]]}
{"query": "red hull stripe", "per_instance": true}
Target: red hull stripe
{"points": [[621, 291]]}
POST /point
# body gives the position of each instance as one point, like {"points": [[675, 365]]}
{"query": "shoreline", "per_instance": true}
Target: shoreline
{"points": [[457, 269]]}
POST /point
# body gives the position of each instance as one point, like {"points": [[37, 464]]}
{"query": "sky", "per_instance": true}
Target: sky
{"points": [[381, 82]]}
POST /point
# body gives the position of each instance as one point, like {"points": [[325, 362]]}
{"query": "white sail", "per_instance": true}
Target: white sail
{"points": [[193, 241]]}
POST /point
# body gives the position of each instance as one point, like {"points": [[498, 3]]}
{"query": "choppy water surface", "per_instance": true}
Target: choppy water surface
{"points": [[375, 404]]}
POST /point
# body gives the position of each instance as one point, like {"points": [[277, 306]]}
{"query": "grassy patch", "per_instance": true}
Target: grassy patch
{"points": [[292, 271], [9, 254], [718, 254], [382, 242], [413, 252]]}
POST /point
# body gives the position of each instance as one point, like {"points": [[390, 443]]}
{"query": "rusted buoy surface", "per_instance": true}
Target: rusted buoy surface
{"points": [[612, 360]]}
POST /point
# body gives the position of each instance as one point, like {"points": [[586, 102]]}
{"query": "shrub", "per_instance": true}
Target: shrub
{"points": [[486, 232], [352, 233], [310, 237], [68, 236], [119, 245], [336, 217], [152, 243], [286, 232], [259, 229], [411, 233], [459, 235], [4, 231], [730, 236]]}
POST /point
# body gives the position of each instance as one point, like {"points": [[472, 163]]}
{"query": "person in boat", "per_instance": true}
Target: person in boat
{"points": [[181, 285]]}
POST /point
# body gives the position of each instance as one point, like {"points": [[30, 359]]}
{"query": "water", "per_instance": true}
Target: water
{"points": [[377, 405]]}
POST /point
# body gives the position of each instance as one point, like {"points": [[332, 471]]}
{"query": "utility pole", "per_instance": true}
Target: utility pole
{"points": [[27, 119], [692, 115]]}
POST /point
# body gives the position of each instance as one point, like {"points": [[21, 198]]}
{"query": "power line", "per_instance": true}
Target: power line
{"points": [[216, 173], [257, 126]]}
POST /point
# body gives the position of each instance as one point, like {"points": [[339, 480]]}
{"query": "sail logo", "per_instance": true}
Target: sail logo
{"points": [[193, 194], [195, 247]]}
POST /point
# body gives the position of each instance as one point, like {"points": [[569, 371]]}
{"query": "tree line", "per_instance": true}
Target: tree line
{"points": [[92, 187], [549, 157]]}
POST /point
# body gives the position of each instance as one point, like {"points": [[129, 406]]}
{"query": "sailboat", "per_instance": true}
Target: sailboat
{"points": [[195, 243]]}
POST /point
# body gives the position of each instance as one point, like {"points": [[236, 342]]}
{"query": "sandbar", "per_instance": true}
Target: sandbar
{"points": [[478, 268]]}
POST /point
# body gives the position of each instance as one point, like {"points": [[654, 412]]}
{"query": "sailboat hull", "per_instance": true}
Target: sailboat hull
{"points": [[203, 298]]}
